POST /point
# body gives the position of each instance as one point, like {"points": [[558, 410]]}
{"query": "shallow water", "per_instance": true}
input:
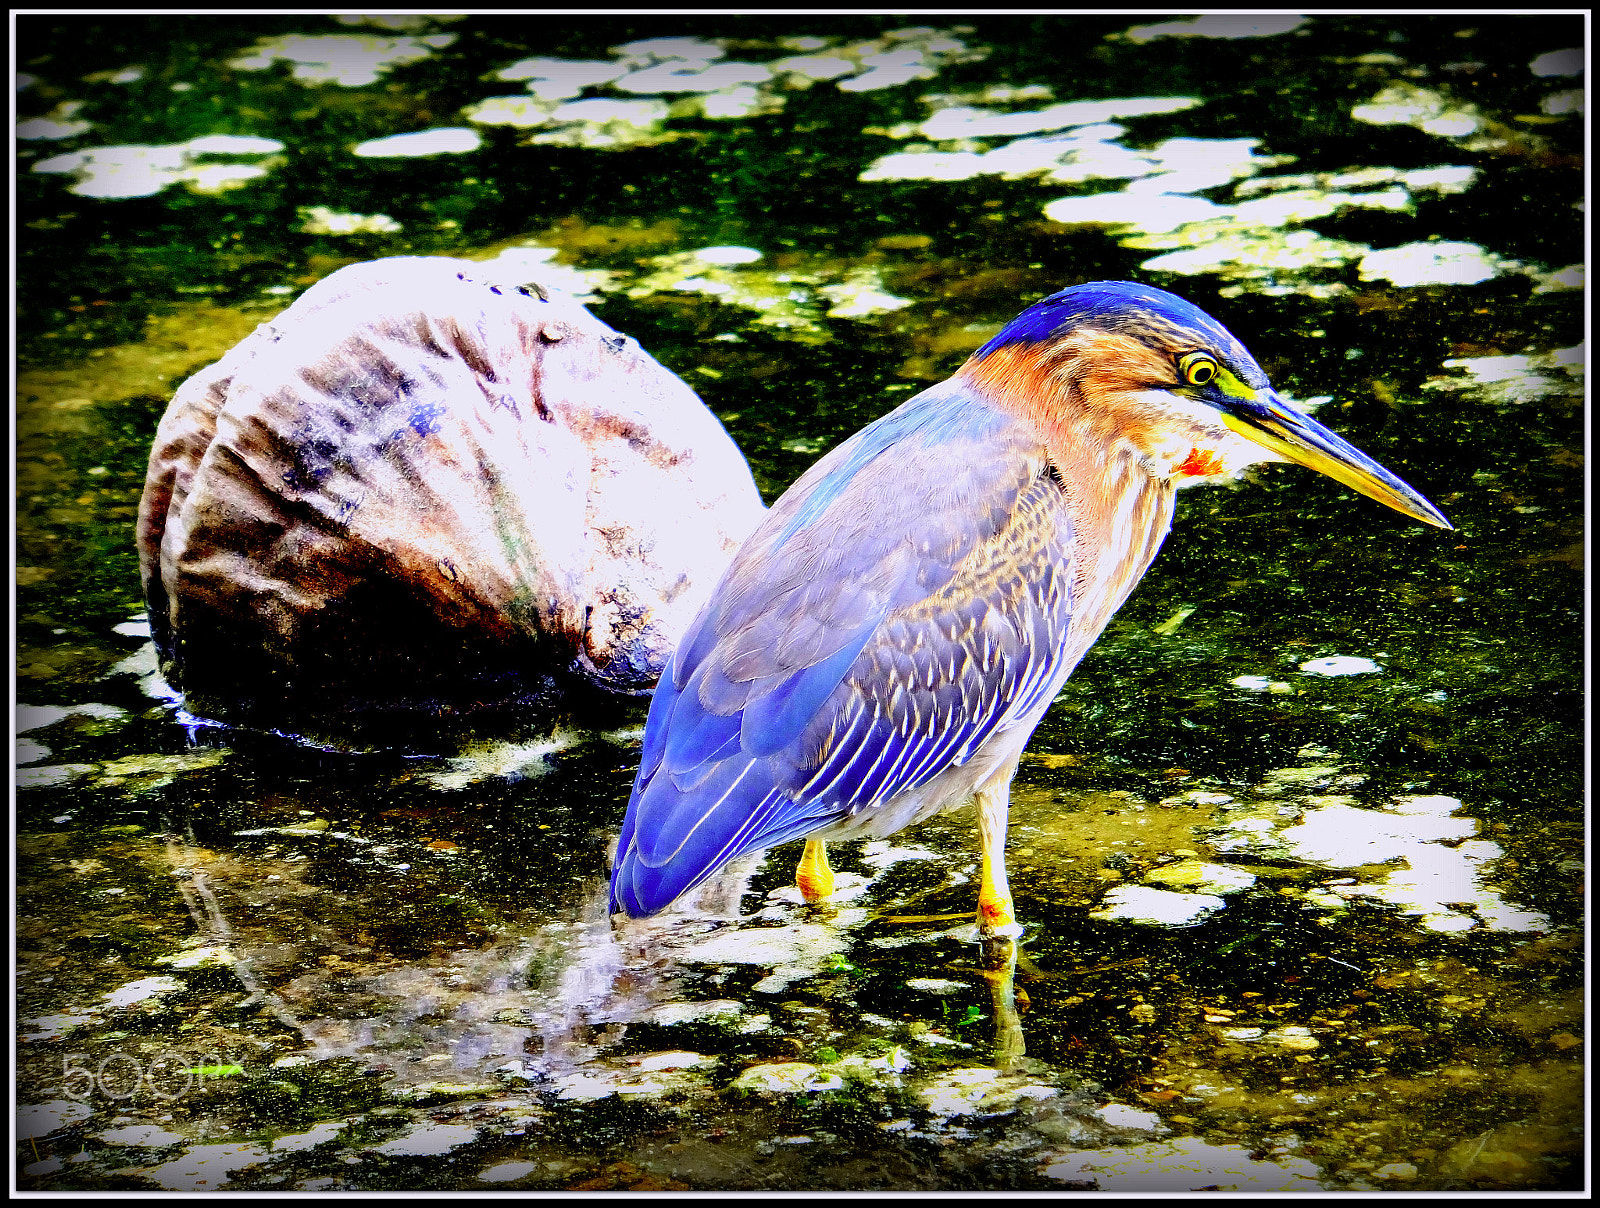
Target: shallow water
{"points": [[1298, 849]]}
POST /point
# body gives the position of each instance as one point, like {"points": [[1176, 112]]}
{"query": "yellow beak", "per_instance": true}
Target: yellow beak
{"points": [[1295, 436]]}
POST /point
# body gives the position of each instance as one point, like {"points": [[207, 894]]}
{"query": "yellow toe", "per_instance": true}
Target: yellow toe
{"points": [[814, 876]]}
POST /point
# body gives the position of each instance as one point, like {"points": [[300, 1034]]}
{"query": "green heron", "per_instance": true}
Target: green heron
{"points": [[883, 645]]}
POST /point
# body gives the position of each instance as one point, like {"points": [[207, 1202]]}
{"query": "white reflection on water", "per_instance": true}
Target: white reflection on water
{"points": [[1444, 263], [1219, 25], [727, 254], [1441, 877], [694, 77], [1245, 239], [501, 760], [1340, 664], [782, 299], [1513, 380], [517, 110], [559, 79], [1254, 241], [810, 68], [447, 140], [1251, 238], [889, 68], [528, 262], [351, 60], [58, 123], [323, 220], [1567, 62], [545, 1004], [1433, 112], [142, 171], [125, 75], [861, 294], [1185, 1164], [962, 121], [1162, 907], [598, 122], [1087, 153], [702, 82], [793, 299], [1563, 103]]}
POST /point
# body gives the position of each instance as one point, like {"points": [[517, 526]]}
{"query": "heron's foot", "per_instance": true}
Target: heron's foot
{"points": [[815, 889], [814, 876], [996, 920]]}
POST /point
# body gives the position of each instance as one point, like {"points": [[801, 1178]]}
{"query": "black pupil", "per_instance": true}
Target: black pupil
{"points": [[1201, 372]]}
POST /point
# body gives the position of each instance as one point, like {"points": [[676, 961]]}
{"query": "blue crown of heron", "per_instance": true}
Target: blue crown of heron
{"points": [[1122, 306]]}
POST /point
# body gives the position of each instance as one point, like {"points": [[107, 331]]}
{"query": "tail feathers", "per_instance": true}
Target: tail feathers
{"points": [[647, 877], [639, 890]]}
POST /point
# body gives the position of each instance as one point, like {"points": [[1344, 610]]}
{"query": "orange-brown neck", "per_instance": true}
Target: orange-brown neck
{"points": [[1091, 393], [1120, 498], [1044, 385]]}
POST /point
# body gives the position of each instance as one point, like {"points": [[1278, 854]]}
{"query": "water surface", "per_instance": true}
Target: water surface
{"points": [[1299, 847]]}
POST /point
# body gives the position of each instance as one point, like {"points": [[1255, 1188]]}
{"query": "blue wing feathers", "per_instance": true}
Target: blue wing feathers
{"points": [[723, 801], [774, 720], [655, 726], [694, 732], [750, 814], [830, 479], [871, 633], [690, 778]]}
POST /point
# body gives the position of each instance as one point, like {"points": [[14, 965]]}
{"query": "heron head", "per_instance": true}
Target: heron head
{"points": [[1122, 362]]}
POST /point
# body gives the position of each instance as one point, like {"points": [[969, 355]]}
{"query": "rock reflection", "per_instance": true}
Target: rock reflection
{"points": [[451, 1019], [548, 1006]]}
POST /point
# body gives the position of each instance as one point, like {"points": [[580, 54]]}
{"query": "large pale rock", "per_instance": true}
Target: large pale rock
{"points": [[417, 494]]}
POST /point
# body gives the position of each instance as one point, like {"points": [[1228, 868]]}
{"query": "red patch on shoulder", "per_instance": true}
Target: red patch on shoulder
{"points": [[1200, 463]]}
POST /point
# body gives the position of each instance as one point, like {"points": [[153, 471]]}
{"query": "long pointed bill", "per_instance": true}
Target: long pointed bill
{"points": [[1299, 438]]}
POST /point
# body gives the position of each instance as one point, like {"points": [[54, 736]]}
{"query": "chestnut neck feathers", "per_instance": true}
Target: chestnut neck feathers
{"points": [[1094, 370]]}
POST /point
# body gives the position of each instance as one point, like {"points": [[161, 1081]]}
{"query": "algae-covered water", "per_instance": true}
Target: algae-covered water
{"points": [[1299, 848]]}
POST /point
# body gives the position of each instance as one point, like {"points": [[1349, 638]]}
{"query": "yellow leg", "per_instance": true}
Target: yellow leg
{"points": [[995, 917], [814, 877]]}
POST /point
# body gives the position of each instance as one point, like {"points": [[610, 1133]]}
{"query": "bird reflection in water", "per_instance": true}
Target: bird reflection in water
{"points": [[885, 642]]}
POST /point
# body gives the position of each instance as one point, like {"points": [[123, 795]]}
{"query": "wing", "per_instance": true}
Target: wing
{"points": [[906, 599]]}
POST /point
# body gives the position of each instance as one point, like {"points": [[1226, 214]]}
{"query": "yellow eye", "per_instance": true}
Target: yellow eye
{"points": [[1197, 368]]}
